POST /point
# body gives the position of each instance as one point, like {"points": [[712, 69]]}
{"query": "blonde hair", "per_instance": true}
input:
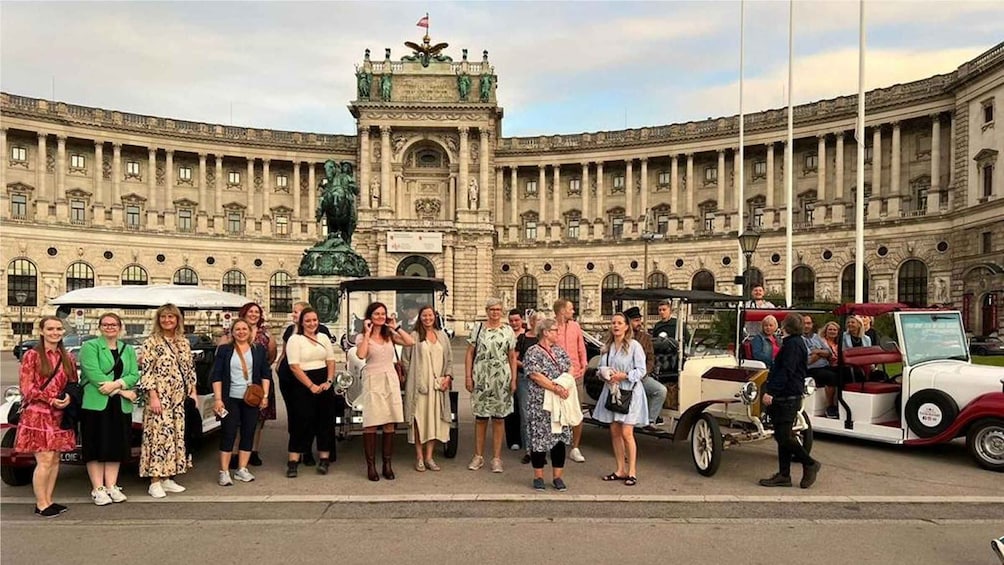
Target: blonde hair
{"points": [[167, 309], [822, 331], [610, 341], [861, 326]]}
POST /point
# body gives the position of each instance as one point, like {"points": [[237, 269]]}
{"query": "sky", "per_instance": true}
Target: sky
{"points": [[563, 67]]}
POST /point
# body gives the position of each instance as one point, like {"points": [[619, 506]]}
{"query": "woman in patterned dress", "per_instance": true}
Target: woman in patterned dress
{"points": [[168, 376], [45, 370], [490, 367], [260, 335], [543, 363]]}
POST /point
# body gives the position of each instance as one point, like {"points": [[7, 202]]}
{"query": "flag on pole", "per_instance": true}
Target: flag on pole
{"points": [[424, 22]]}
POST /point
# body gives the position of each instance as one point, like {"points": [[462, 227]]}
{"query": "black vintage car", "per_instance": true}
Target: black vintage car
{"points": [[986, 345]]}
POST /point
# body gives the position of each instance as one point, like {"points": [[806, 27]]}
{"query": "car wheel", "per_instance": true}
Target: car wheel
{"points": [[804, 437], [985, 442], [10, 475], [706, 445], [930, 412]]}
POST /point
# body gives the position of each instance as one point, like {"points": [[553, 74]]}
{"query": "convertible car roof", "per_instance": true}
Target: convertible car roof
{"points": [[150, 296], [870, 308], [401, 284], [673, 293]]}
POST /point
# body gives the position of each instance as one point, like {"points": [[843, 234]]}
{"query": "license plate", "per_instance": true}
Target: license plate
{"points": [[71, 457]]}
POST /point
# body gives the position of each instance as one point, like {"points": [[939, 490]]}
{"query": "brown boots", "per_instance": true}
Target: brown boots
{"points": [[369, 447], [388, 452]]}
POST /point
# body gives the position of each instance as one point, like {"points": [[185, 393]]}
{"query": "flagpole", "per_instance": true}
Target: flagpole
{"points": [[741, 200], [789, 178], [859, 204]]}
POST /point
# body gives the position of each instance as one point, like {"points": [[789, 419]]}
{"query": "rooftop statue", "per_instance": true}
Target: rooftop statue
{"points": [[426, 52]]}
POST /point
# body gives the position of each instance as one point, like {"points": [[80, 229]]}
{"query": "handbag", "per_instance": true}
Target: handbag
{"points": [[402, 375], [621, 405], [254, 393]]}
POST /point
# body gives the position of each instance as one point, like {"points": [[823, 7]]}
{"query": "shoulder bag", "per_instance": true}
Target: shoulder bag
{"points": [[622, 403], [254, 393]]}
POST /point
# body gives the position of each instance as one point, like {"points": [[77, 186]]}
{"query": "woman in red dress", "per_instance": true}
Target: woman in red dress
{"points": [[45, 370]]}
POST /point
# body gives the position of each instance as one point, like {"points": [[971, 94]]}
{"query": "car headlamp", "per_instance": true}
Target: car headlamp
{"points": [[11, 394], [749, 393], [810, 386]]}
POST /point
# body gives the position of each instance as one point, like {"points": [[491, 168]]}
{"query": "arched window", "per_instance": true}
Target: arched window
{"points": [[79, 275], [280, 294], [234, 281], [847, 282], [911, 286], [754, 277], [570, 289], [611, 282], [656, 280], [526, 293], [416, 266], [135, 275], [22, 282], [186, 277], [803, 285], [703, 280]]}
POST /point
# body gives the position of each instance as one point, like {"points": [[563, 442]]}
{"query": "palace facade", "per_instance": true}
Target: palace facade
{"points": [[97, 197]]}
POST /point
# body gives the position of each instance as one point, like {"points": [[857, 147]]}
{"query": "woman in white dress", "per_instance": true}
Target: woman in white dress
{"points": [[427, 390]]}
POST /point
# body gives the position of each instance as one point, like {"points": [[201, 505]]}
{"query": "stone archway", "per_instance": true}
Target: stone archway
{"points": [[425, 180], [416, 266]]}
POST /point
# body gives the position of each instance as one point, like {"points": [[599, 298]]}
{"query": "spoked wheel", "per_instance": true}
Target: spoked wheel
{"points": [[706, 445]]}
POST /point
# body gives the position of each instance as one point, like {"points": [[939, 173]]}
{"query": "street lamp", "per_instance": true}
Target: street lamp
{"points": [[20, 297], [748, 241]]}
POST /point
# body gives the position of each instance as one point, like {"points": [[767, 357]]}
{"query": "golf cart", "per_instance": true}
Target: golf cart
{"points": [[16, 468], [707, 391], [404, 296], [938, 396]]}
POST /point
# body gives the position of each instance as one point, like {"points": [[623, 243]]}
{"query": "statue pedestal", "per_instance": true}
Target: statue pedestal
{"points": [[333, 257], [323, 294]]}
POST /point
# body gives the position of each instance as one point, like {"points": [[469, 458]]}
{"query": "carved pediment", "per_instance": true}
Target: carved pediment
{"points": [[19, 187], [986, 154], [234, 207], [185, 203], [133, 198], [280, 210], [78, 193]]}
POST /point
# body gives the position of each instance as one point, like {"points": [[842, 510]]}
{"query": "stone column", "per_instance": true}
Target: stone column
{"points": [[821, 169], [100, 198], [5, 155], [584, 187], [894, 173], [837, 212], [449, 275], [116, 174], [737, 171], [934, 194], [691, 185], [40, 167], [514, 203], [294, 191], [556, 179], [364, 167], [674, 185], [311, 199], [60, 167], [452, 203], [601, 194], [644, 189], [483, 160], [721, 180], [251, 212], [266, 188], [769, 197], [218, 201], [628, 194], [202, 184], [499, 213], [169, 178], [151, 180], [385, 166], [877, 161], [951, 163], [541, 195]]}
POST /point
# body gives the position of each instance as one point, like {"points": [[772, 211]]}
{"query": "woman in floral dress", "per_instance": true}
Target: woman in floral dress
{"points": [[543, 364], [45, 370], [491, 379], [168, 376]]}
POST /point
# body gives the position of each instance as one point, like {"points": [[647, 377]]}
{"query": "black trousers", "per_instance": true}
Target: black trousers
{"points": [[310, 415], [539, 458], [782, 414], [514, 425], [242, 416]]}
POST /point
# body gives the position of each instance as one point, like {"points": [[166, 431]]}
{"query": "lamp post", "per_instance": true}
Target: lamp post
{"points": [[20, 297], [748, 241]]}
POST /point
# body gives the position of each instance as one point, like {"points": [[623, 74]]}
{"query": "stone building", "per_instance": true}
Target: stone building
{"points": [[94, 197]]}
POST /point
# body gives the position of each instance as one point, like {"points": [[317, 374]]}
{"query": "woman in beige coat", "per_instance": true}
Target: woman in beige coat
{"points": [[427, 392]]}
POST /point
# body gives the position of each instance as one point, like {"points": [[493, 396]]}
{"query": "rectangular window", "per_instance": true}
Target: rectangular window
{"points": [[18, 153], [988, 111], [986, 242], [530, 231], [22, 329], [531, 188], [757, 215], [132, 168], [811, 162], [233, 178], [617, 228], [281, 181], [575, 186], [868, 154], [664, 179], [132, 216], [282, 225], [185, 220], [573, 228], [710, 174], [662, 223], [988, 180], [19, 206], [619, 183], [77, 213], [185, 174], [77, 161], [759, 169], [921, 204], [709, 221], [809, 208], [234, 222]]}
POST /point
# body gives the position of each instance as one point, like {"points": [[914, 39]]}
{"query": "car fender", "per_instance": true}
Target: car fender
{"points": [[690, 415], [990, 404]]}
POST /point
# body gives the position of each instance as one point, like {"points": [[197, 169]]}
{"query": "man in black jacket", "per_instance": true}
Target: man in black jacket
{"points": [[783, 399]]}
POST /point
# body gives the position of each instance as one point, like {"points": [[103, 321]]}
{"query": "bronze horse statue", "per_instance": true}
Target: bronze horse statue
{"points": [[337, 203]]}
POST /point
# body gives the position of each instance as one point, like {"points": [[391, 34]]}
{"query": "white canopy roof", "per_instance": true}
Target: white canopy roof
{"points": [[150, 296]]}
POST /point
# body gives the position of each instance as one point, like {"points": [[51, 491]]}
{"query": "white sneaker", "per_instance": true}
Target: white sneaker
{"points": [[998, 546], [171, 486], [100, 496], [576, 455], [514, 447], [243, 475], [225, 480], [115, 493], [477, 462], [156, 490]]}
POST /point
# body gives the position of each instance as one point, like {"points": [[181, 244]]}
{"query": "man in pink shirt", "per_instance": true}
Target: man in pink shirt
{"points": [[570, 339]]}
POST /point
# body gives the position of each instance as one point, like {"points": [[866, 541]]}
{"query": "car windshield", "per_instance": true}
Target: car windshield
{"points": [[932, 335]]}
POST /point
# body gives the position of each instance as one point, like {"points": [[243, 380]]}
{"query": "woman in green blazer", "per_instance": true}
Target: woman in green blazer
{"points": [[108, 372]]}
